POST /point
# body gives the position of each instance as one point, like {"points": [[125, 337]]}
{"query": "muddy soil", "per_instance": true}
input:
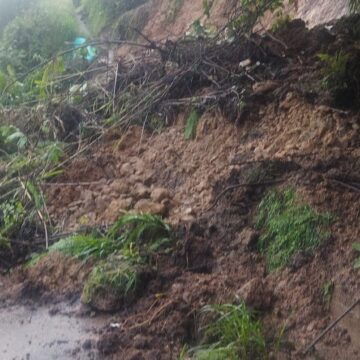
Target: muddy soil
{"points": [[290, 140], [47, 332]]}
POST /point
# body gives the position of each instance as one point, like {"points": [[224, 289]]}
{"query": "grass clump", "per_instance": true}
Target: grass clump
{"points": [[86, 246], [111, 283], [289, 227], [335, 69], [141, 235], [234, 334]]}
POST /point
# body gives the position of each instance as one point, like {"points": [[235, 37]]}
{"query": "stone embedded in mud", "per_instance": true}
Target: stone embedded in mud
{"points": [[247, 238], [148, 206], [264, 87], [255, 294], [159, 194], [117, 206], [141, 191], [119, 186], [127, 169], [101, 202]]}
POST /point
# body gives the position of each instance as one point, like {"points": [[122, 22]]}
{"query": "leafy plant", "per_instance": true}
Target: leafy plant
{"points": [[12, 217], [289, 227], [191, 125], [234, 334], [11, 140]]}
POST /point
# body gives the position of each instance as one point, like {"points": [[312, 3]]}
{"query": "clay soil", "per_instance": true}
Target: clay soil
{"points": [[314, 149]]}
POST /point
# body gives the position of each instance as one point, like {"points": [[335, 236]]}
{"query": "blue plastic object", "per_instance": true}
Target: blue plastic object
{"points": [[90, 50]]}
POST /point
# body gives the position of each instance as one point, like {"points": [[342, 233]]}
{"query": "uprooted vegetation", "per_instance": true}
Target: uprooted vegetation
{"points": [[202, 131]]}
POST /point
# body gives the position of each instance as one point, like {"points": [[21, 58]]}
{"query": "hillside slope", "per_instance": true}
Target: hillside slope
{"points": [[250, 152]]}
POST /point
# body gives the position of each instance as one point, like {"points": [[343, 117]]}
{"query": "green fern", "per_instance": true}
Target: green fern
{"points": [[288, 227]]}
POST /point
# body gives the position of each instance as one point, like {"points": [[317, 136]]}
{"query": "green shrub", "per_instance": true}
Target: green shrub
{"points": [[288, 226], [37, 34], [234, 334], [12, 217]]}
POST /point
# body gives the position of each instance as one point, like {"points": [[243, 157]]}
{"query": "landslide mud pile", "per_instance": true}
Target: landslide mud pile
{"points": [[266, 123]]}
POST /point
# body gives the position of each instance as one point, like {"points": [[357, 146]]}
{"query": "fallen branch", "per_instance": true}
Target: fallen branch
{"points": [[324, 332]]}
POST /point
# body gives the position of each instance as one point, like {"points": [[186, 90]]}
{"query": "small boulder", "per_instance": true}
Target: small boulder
{"points": [[148, 206], [119, 186], [127, 169], [255, 294], [159, 194], [141, 191], [247, 238]]}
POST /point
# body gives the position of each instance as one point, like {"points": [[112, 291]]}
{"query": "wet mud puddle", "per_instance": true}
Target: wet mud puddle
{"points": [[45, 333]]}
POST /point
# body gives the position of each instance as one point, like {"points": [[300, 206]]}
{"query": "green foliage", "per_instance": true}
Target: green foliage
{"points": [[141, 235], [86, 246], [235, 334], [102, 13], [335, 69], [115, 278], [47, 84], [191, 125], [280, 21], [37, 34], [12, 217], [251, 10], [288, 227], [11, 140], [354, 6]]}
